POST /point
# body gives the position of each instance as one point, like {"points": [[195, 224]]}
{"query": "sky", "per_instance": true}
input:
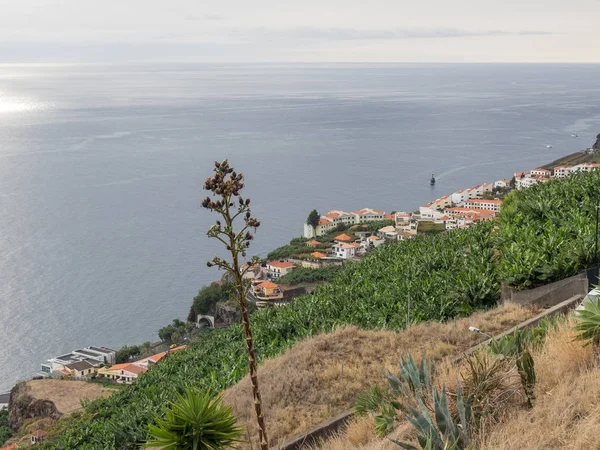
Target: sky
{"points": [[300, 31]]}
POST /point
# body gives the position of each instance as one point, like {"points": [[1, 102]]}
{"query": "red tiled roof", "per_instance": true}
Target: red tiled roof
{"points": [[318, 255], [373, 238], [281, 264], [353, 245], [324, 222], [39, 433], [11, 446], [332, 215], [342, 237], [267, 285], [313, 242], [388, 216]]}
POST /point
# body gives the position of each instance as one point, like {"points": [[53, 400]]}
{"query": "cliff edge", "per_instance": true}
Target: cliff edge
{"points": [[50, 398]]}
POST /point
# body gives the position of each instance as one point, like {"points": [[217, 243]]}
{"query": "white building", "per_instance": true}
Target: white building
{"points": [[336, 217], [561, 171], [501, 184], [459, 197], [276, 269], [402, 218], [96, 356], [429, 213], [489, 205], [584, 167], [345, 250], [540, 172]]}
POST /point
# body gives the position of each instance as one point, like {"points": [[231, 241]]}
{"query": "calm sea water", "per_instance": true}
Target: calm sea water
{"points": [[102, 239]]}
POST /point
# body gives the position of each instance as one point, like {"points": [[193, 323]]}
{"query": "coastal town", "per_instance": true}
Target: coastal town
{"points": [[336, 239], [342, 237]]}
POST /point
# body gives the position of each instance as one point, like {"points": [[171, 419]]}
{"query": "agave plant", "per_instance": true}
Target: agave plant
{"points": [[442, 432], [195, 422], [588, 322]]}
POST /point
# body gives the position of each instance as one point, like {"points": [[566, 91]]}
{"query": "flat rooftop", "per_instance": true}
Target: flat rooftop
{"points": [[101, 349], [93, 354]]}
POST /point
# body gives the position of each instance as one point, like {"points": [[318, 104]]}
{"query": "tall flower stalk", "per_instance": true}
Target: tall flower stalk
{"points": [[226, 186]]}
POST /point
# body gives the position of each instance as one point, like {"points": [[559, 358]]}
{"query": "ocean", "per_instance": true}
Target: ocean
{"points": [[102, 237]]}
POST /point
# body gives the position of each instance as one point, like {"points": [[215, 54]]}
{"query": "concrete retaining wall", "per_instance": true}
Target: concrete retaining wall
{"points": [[335, 424], [550, 294]]}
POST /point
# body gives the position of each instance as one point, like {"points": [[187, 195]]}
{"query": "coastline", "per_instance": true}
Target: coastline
{"points": [[576, 157]]}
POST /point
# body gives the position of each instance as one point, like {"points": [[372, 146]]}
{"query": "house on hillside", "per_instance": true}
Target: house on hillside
{"points": [[125, 373], [561, 171], [541, 172], [388, 232], [501, 184], [11, 446], [313, 243], [266, 293], [96, 356], [276, 269], [584, 167], [402, 218], [38, 437], [345, 250], [368, 215], [376, 241], [81, 369]]}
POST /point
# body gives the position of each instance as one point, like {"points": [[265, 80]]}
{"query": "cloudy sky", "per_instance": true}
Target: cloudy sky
{"points": [[307, 30]]}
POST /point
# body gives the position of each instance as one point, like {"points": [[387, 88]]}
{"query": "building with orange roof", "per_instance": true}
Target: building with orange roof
{"points": [[540, 172], [37, 437], [342, 237], [336, 217], [267, 292], [11, 446], [501, 184], [276, 269], [312, 243], [345, 250], [125, 373], [490, 205], [318, 255]]}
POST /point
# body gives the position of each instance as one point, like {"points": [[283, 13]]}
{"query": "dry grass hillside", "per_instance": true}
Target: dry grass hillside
{"points": [[320, 377], [566, 415], [65, 394]]}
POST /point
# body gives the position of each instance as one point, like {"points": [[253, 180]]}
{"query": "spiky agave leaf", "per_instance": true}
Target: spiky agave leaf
{"points": [[588, 322]]}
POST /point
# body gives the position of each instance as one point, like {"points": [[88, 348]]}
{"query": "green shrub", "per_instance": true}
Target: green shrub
{"points": [[195, 422]]}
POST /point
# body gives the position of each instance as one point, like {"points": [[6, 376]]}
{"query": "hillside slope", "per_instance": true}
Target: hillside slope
{"points": [[565, 416], [320, 377], [544, 233]]}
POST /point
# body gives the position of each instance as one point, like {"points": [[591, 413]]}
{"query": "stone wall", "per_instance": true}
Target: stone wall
{"points": [[549, 294]]}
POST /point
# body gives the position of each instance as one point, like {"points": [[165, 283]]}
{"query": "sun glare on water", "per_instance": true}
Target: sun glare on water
{"points": [[17, 105]]}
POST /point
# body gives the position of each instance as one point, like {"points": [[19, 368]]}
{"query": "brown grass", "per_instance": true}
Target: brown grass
{"points": [[66, 395], [566, 414], [307, 385]]}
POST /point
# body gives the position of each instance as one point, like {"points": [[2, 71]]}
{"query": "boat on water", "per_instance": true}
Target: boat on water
{"points": [[432, 181]]}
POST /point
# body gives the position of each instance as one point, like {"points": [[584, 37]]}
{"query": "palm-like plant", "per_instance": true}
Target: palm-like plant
{"points": [[588, 322], [195, 422]]}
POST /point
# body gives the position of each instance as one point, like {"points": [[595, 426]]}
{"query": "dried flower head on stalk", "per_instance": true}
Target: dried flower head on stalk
{"points": [[226, 185]]}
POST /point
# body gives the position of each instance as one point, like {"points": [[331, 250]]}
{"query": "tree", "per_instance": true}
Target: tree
{"points": [[313, 219], [195, 422], [127, 353], [226, 185], [208, 297], [512, 182]]}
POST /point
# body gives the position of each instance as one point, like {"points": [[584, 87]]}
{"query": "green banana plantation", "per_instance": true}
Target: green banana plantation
{"points": [[544, 233]]}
